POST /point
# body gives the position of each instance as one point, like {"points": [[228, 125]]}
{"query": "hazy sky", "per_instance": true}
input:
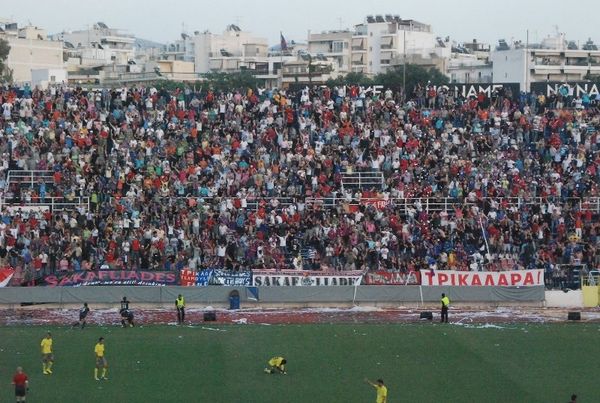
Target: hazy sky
{"points": [[161, 20]]}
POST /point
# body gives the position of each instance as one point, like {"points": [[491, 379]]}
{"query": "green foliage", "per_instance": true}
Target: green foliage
{"points": [[5, 72], [351, 79], [219, 81], [415, 74], [421, 362], [394, 78]]}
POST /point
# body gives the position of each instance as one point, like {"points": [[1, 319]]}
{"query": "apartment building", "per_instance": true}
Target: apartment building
{"points": [[30, 49], [553, 60], [378, 44]]}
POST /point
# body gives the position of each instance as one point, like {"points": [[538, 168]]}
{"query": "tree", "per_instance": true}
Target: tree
{"points": [[219, 81], [5, 72], [351, 79], [415, 74]]}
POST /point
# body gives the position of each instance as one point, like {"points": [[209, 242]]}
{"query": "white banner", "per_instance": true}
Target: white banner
{"points": [[516, 278], [304, 278]]}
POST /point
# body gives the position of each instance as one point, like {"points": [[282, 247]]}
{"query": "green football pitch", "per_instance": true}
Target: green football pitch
{"points": [[421, 362]]}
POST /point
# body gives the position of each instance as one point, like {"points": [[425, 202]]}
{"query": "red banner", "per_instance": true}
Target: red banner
{"points": [[383, 277], [379, 204], [516, 278], [187, 278], [5, 275]]}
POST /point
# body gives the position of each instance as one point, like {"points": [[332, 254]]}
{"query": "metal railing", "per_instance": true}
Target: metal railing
{"points": [[29, 178], [363, 179], [433, 204], [252, 203], [53, 203]]}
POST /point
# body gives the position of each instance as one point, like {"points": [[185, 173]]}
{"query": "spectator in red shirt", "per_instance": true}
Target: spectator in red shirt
{"points": [[21, 382]]}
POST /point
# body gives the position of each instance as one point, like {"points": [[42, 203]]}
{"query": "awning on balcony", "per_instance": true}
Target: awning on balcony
{"points": [[358, 42], [387, 41], [357, 58]]}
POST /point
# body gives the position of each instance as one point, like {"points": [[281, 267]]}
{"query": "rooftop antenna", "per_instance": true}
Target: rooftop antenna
{"points": [[340, 20]]}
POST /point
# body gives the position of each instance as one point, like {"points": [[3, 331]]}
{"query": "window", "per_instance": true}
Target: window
{"points": [[337, 46], [52, 79]]}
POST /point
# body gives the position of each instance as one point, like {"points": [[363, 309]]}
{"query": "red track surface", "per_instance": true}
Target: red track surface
{"points": [[42, 316]]}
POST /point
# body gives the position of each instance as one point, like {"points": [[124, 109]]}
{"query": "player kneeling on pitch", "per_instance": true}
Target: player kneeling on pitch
{"points": [[126, 318], [276, 364]]}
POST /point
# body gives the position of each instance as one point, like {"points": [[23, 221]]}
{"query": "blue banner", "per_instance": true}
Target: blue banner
{"points": [[203, 277], [231, 278], [222, 277]]}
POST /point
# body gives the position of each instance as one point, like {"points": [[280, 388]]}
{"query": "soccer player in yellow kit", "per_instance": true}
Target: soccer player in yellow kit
{"points": [[381, 390], [47, 356], [276, 364], [100, 359]]}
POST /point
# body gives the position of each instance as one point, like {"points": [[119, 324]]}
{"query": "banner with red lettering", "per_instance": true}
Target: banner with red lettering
{"points": [[383, 277], [112, 277], [516, 278], [378, 203], [187, 278]]}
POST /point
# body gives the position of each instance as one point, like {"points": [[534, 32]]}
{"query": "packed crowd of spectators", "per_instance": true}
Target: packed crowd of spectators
{"points": [[184, 179]]}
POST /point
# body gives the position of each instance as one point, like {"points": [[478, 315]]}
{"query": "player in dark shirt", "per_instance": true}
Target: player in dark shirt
{"points": [[126, 314], [83, 313]]}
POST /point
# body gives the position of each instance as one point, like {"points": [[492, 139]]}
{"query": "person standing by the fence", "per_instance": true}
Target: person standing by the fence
{"points": [[445, 305], [83, 313], [180, 305]]}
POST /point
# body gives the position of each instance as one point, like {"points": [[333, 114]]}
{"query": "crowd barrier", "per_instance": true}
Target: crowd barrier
{"points": [[269, 295]]}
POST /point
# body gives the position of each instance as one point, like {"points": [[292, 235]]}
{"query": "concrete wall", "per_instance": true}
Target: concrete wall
{"points": [[561, 299], [297, 296], [509, 66]]}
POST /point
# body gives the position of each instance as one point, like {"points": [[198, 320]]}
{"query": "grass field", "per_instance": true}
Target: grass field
{"points": [[326, 363]]}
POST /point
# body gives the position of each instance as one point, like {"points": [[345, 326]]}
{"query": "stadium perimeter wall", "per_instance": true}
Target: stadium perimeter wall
{"points": [[218, 296], [562, 299]]}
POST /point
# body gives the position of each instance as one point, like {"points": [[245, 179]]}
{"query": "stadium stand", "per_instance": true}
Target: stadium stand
{"points": [[320, 179]]}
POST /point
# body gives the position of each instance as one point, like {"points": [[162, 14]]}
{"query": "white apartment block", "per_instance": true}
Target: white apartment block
{"points": [[30, 50], [380, 43], [552, 60], [98, 46], [231, 51]]}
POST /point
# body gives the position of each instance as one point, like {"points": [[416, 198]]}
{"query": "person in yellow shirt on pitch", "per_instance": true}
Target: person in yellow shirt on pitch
{"points": [[276, 364], [100, 360], [381, 390], [47, 356]]}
